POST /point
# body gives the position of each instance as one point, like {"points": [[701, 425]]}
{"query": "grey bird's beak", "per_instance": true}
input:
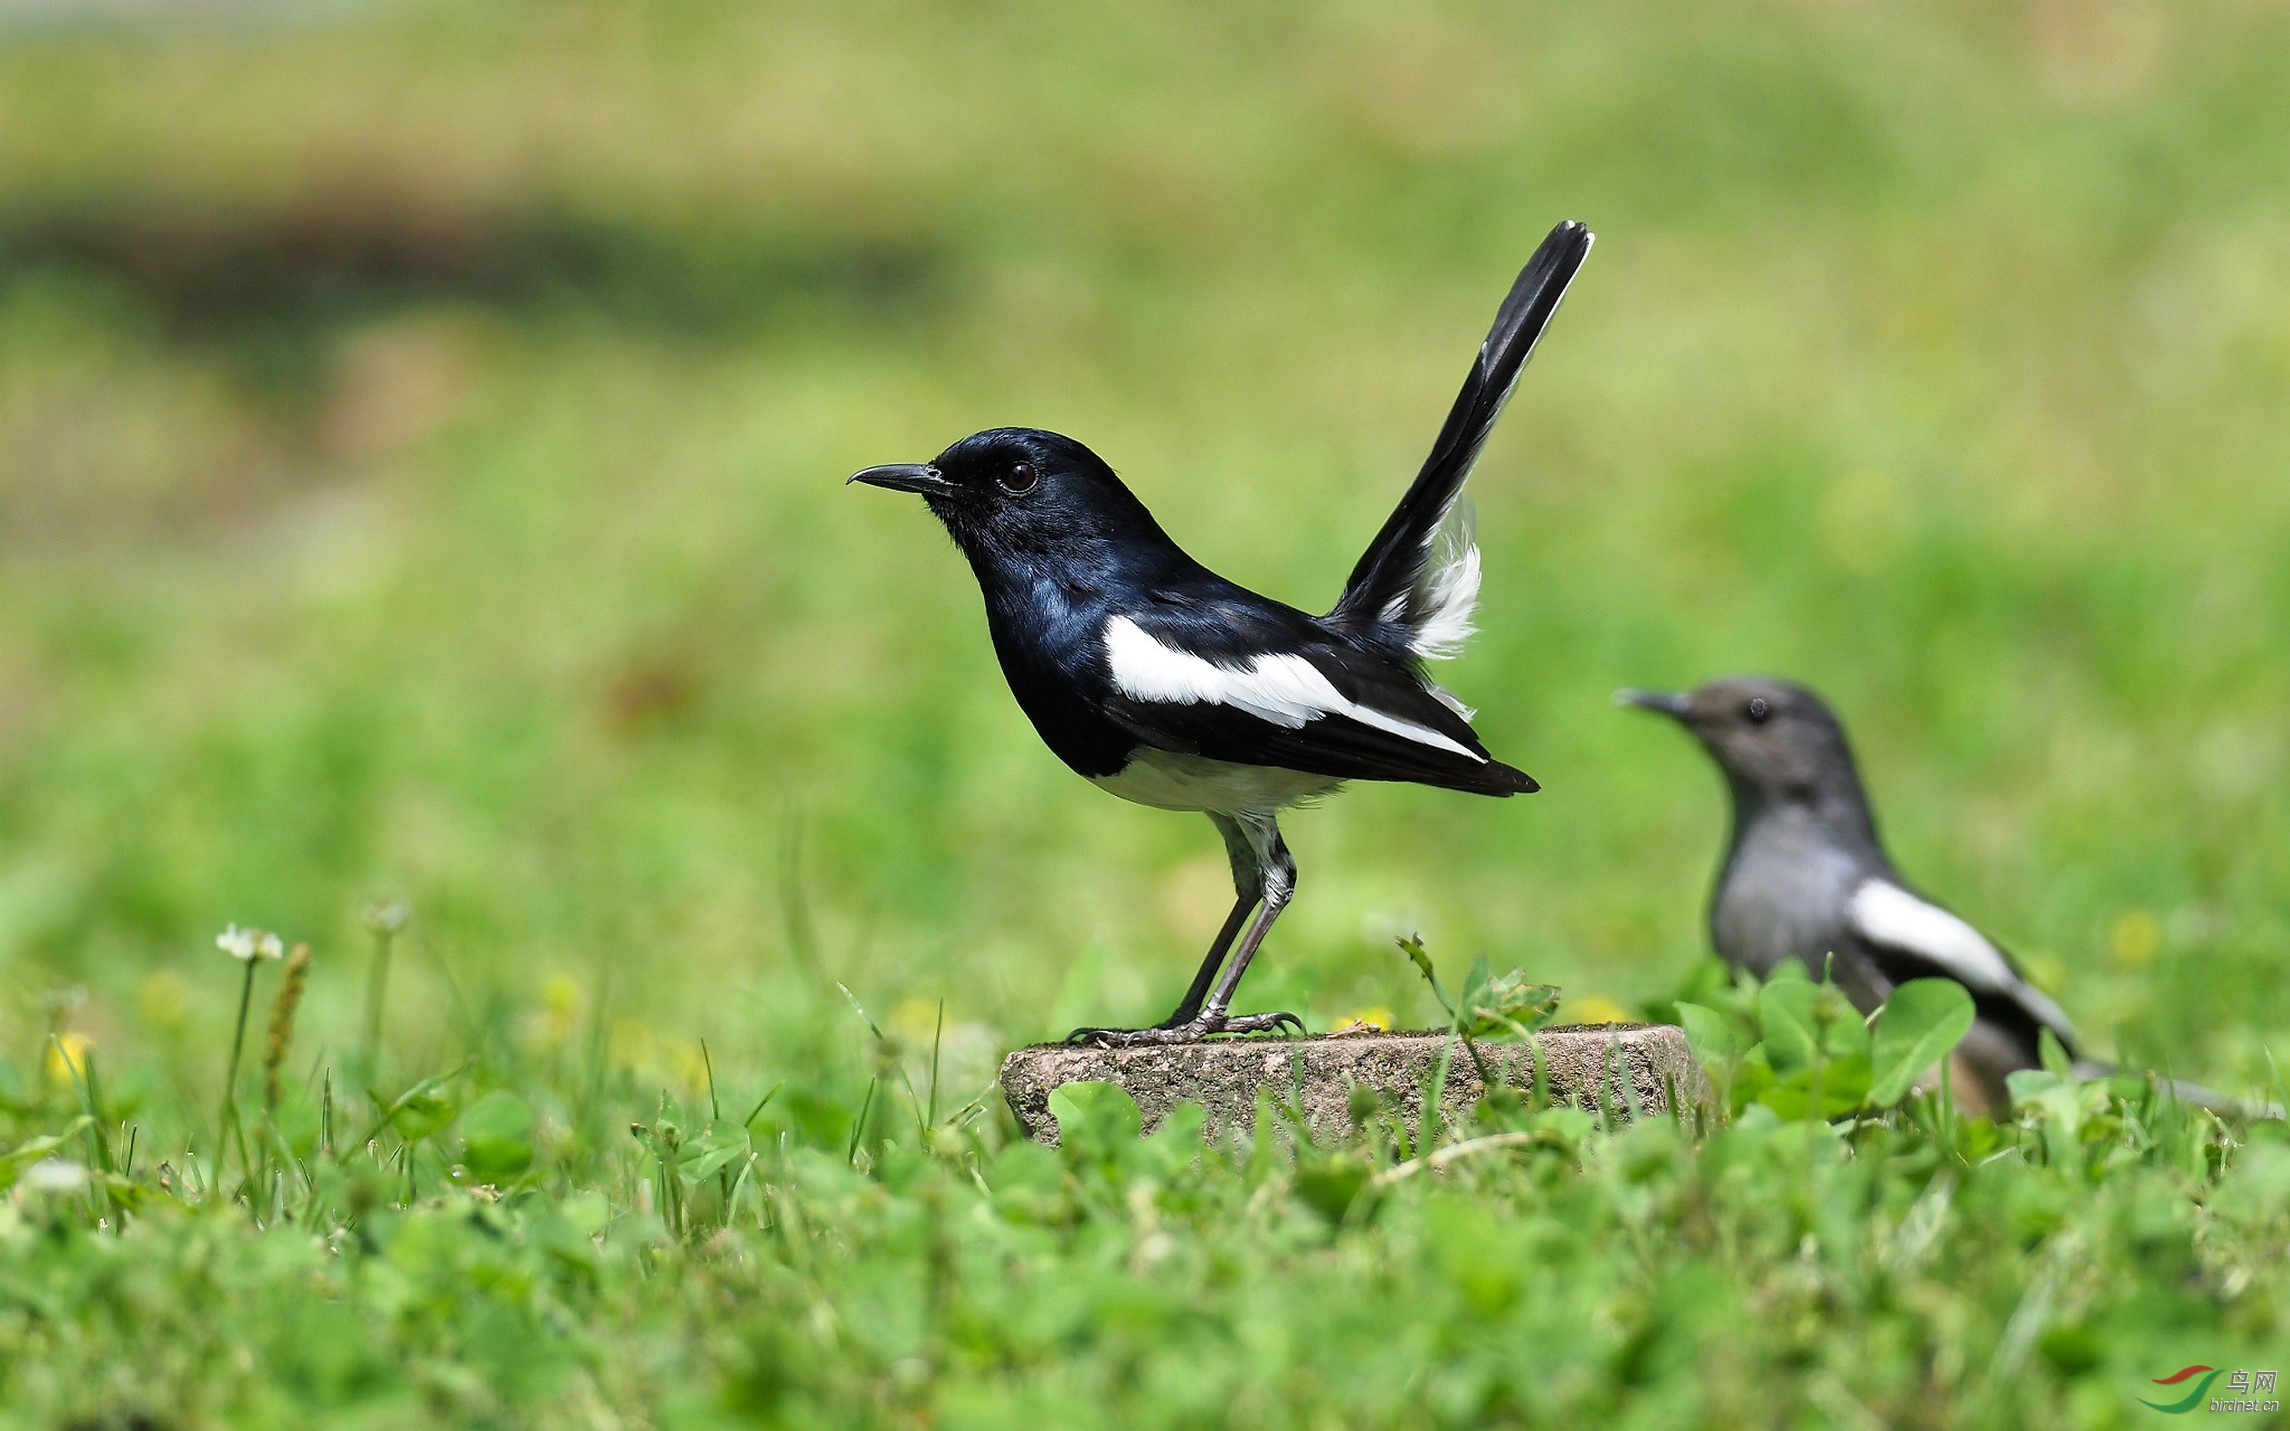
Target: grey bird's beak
{"points": [[902, 477], [1661, 702]]}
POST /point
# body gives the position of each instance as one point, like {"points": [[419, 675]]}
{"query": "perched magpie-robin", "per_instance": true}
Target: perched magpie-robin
{"points": [[1805, 878], [1168, 685]]}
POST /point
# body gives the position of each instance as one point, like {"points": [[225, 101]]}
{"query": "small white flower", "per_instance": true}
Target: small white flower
{"points": [[248, 945], [54, 1175], [387, 916]]}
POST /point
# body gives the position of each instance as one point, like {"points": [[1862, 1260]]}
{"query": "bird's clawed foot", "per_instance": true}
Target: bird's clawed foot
{"points": [[1198, 1028]]}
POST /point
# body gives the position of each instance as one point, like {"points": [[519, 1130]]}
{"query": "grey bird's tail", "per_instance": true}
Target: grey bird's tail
{"points": [[2192, 1094], [1417, 581]]}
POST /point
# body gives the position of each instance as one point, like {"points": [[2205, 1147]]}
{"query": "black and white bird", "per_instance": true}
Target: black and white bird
{"points": [[1806, 878], [1166, 684]]}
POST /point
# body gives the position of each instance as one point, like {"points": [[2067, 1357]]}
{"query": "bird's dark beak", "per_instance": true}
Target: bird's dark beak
{"points": [[1661, 702], [903, 477]]}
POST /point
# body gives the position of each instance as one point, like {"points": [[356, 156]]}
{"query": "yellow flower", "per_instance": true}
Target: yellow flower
{"points": [[1596, 1009], [2136, 938], [560, 1011], [67, 1057], [1374, 1017]]}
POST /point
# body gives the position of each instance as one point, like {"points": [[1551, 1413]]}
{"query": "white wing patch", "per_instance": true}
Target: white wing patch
{"points": [[1884, 913], [1284, 690]]}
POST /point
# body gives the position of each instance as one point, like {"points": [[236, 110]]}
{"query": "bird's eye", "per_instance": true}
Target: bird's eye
{"points": [[1758, 710], [1020, 479]]}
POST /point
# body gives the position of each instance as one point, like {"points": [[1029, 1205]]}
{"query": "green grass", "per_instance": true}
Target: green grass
{"points": [[510, 1249], [420, 436]]}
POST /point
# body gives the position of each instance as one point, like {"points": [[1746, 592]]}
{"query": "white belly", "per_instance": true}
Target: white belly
{"points": [[1193, 782]]}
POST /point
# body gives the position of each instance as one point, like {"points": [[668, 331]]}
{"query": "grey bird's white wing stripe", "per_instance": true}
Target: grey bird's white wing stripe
{"points": [[1282, 689], [1883, 913]]}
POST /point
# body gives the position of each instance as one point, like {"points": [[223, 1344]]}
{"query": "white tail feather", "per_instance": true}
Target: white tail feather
{"points": [[1439, 606]]}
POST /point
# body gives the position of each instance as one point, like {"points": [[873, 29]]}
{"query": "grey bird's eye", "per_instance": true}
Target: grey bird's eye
{"points": [[1020, 479], [1758, 710]]}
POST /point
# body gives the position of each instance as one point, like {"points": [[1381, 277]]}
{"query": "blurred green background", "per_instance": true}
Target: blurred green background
{"points": [[422, 427]]}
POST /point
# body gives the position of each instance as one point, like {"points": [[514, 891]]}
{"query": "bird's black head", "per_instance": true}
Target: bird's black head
{"points": [[1776, 742], [1013, 492]]}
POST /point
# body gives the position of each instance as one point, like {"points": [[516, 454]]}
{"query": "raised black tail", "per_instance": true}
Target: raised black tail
{"points": [[1398, 585]]}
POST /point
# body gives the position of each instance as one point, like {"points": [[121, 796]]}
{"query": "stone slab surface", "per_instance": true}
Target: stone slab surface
{"points": [[1581, 1064]]}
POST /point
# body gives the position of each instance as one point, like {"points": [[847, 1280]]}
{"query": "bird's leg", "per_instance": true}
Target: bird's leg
{"points": [[1277, 873], [1248, 890], [1279, 885], [1189, 1007]]}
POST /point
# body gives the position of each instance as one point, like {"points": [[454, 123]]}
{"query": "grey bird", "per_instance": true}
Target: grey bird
{"points": [[1805, 877]]}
